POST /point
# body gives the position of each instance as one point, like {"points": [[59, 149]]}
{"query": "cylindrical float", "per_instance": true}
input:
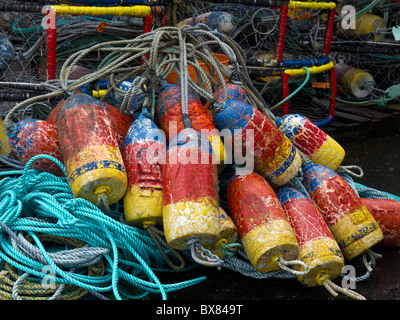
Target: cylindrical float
{"points": [[353, 80], [311, 140], [120, 122], [318, 248], [350, 222], [275, 157], [169, 108], [143, 153], [263, 228], [228, 234], [367, 23], [31, 137], [387, 213], [90, 150], [190, 191]]}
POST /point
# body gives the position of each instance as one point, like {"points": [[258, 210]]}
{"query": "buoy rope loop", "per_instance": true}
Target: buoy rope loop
{"points": [[285, 263], [202, 255], [348, 169], [334, 289]]}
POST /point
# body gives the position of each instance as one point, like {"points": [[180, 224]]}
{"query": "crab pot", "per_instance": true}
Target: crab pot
{"points": [[120, 122], [190, 191], [387, 213], [223, 22], [169, 108], [7, 52], [318, 248], [90, 150], [263, 227], [143, 150], [275, 157], [311, 140], [228, 233], [350, 222], [31, 137]]}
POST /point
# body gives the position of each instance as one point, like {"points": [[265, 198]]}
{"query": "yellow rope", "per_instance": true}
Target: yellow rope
{"points": [[312, 5], [137, 11]]}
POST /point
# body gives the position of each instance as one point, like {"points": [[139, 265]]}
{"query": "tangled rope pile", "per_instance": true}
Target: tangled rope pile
{"points": [[95, 254]]}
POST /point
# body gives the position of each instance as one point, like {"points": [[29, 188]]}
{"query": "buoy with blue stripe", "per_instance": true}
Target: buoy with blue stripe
{"points": [[169, 108], [7, 52], [263, 227], [311, 140], [318, 248], [387, 213], [143, 153], [350, 222], [31, 137], [94, 164], [275, 157], [190, 193]]}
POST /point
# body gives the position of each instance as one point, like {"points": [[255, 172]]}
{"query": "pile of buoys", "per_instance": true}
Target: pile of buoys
{"points": [[286, 203]]}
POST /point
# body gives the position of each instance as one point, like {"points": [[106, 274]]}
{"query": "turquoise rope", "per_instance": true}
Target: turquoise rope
{"points": [[131, 259], [295, 91]]}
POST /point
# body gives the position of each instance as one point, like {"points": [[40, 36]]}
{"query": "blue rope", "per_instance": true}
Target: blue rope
{"points": [[40, 203]]}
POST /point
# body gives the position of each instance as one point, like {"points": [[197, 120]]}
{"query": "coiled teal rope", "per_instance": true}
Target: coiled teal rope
{"points": [[41, 203]]}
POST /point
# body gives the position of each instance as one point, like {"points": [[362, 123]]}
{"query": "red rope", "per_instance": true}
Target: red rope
{"points": [[285, 93], [282, 31], [329, 31]]}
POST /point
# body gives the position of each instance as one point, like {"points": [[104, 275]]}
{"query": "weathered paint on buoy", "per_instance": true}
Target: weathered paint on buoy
{"points": [[234, 92], [318, 248], [31, 137], [7, 52], [90, 150], [263, 228], [350, 222], [5, 148], [387, 213], [190, 191], [169, 108], [311, 140], [143, 150], [228, 233], [275, 157], [120, 122]]}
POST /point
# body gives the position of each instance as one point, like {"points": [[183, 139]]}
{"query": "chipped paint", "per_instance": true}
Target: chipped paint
{"points": [[387, 213], [311, 140], [262, 224], [275, 158], [318, 248], [90, 150], [31, 137], [143, 145], [190, 194], [352, 225]]}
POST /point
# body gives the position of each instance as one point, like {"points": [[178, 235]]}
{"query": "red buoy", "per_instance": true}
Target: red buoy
{"points": [[350, 222], [190, 192], [90, 150], [318, 248], [387, 213], [262, 225], [31, 137]]}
